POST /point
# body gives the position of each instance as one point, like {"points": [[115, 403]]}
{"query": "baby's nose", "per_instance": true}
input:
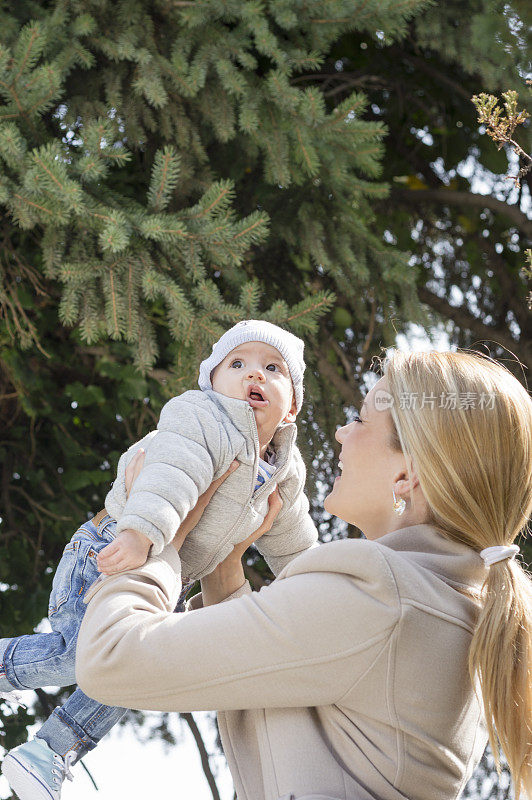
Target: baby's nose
{"points": [[256, 373]]}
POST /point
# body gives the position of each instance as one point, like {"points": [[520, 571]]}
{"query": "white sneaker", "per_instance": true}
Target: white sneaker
{"points": [[35, 772]]}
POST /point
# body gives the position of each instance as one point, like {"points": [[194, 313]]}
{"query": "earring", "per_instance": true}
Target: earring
{"points": [[398, 505]]}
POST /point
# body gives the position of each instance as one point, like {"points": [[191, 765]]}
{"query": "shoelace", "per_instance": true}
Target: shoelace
{"points": [[63, 770]]}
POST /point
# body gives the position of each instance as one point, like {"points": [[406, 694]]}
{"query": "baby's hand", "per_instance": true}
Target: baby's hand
{"points": [[129, 550]]}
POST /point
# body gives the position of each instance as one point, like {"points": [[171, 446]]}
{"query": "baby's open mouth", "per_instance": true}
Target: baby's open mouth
{"points": [[256, 398]]}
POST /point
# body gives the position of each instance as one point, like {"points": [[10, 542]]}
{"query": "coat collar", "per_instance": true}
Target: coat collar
{"points": [[241, 415], [428, 546]]}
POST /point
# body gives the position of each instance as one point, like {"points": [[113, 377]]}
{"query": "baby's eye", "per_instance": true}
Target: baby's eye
{"points": [[357, 417], [237, 361], [272, 365]]}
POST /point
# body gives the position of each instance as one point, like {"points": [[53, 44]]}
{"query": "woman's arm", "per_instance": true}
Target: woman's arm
{"points": [[229, 576], [282, 646]]}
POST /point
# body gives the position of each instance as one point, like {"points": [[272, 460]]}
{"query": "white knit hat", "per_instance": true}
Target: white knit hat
{"points": [[258, 330]]}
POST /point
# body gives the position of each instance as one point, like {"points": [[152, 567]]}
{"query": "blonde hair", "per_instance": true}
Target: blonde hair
{"points": [[474, 465]]}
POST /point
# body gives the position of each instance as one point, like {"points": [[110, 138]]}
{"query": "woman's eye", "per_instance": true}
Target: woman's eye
{"points": [[357, 417], [236, 361]]}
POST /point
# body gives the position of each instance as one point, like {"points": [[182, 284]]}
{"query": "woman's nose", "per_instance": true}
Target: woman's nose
{"points": [[342, 432]]}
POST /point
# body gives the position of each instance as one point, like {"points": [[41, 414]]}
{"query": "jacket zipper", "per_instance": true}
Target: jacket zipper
{"points": [[257, 494], [252, 496]]}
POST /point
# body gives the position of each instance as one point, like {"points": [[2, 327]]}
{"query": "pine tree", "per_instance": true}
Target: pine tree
{"points": [[168, 168], [115, 123]]}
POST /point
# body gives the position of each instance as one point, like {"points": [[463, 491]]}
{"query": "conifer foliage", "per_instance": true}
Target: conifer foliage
{"points": [[115, 119]]}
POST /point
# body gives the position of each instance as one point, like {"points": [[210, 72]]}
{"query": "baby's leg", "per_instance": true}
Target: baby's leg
{"points": [[39, 767], [47, 659], [42, 659], [78, 725]]}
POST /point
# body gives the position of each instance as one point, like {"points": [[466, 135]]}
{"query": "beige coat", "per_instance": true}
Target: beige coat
{"points": [[346, 678]]}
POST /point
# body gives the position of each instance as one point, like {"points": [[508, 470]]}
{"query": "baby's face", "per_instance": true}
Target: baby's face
{"points": [[258, 373]]}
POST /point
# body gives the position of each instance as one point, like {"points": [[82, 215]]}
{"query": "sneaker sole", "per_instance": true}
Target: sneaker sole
{"points": [[24, 782]]}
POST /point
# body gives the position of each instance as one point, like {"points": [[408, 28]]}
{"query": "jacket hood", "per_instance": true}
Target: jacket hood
{"points": [[429, 547], [448, 575]]}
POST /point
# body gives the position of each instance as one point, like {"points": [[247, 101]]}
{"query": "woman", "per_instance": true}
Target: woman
{"points": [[348, 677]]}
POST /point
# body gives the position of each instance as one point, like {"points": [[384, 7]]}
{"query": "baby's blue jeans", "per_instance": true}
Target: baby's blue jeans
{"points": [[48, 659]]}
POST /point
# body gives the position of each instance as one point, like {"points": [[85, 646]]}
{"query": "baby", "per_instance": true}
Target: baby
{"points": [[251, 390]]}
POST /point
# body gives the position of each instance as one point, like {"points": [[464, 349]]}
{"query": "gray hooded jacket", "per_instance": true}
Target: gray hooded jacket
{"points": [[198, 436]]}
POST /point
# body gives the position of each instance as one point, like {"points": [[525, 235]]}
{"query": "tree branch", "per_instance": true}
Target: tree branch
{"points": [[463, 318], [191, 722], [347, 390], [347, 365], [368, 82], [428, 69], [509, 284], [160, 375], [361, 365], [455, 198]]}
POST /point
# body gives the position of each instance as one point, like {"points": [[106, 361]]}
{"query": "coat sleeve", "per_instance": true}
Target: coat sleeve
{"points": [[293, 531], [304, 640], [190, 449]]}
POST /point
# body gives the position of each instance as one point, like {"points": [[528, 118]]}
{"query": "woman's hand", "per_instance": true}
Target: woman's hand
{"points": [[194, 516], [229, 576], [133, 469]]}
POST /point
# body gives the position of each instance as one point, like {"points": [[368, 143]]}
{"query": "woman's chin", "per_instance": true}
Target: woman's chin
{"points": [[329, 504], [335, 504]]}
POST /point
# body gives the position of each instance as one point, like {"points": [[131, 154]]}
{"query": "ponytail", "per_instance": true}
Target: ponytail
{"points": [[501, 655]]}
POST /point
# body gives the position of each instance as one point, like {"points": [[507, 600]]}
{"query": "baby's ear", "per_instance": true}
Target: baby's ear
{"points": [[292, 414]]}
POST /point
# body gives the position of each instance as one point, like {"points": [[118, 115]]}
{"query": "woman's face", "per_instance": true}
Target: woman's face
{"points": [[371, 471]]}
